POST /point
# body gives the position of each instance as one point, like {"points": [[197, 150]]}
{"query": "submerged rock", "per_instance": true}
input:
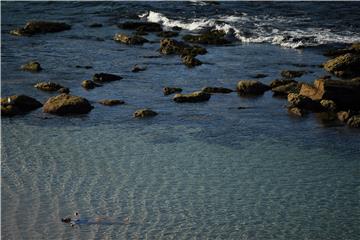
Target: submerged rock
{"points": [[64, 90], [354, 121], [251, 87], [216, 37], [31, 66], [297, 111], [88, 84], [291, 73], [354, 48], [130, 40], [198, 96], [95, 25], [105, 77], [171, 90], [343, 116], [260, 75], [142, 113], [18, 104], [137, 68], [346, 94], [302, 102], [167, 34], [38, 27], [216, 90], [191, 61], [111, 102], [67, 104], [347, 65], [48, 86], [141, 26]]}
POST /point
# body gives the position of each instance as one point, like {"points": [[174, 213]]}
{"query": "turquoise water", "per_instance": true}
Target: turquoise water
{"points": [[195, 171]]}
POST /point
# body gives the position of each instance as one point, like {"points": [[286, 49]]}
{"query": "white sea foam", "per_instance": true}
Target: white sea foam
{"points": [[258, 29]]}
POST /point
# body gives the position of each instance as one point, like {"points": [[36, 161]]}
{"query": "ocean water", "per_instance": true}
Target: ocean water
{"points": [[195, 171]]}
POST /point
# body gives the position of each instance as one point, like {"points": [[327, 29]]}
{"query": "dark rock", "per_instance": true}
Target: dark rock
{"points": [[86, 67], [141, 26], [171, 90], [291, 74], [95, 25], [284, 90], [111, 102], [31, 66], [260, 75], [354, 48], [142, 113], [167, 34], [105, 77], [64, 90], [216, 37], [251, 87], [216, 90], [141, 33], [169, 46], [48, 86], [137, 68], [347, 65], [346, 94], [198, 96], [176, 28], [354, 121], [38, 27], [302, 102], [88, 84], [67, 104], [133, 40], [191, 61], [281, 82], [18, 104]]}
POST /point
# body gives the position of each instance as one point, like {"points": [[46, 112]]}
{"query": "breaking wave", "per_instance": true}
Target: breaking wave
{"points": [[260, 29]]}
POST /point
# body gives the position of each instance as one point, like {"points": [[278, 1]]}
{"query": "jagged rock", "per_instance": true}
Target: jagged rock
{"points": [[88, 84], [18, 104], [48, 86], [137, 68], [133, 40], [142, 113], [171, 90], [302, 102], [291, 73], [284, 90], [64, 90], [329, 105], [347, 65], [354, 121], [198, 96], [67, 104], [37, 27], [141, 26], [31, 66], [105, 77], [343, 116], [251, 87], [111, 102], [216, 37], [346, 94], [191, 61], [170, 46], [216, 90], [275, 83], [167, 34]]}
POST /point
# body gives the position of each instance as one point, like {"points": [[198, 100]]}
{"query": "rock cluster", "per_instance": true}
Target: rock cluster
{"points": [[38, 27], [18, 104]]}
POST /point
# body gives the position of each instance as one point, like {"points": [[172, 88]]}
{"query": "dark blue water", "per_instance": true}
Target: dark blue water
{"points": [[195, 171]]}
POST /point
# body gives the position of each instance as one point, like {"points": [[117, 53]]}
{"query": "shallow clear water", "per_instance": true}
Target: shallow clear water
{"points": [[195, 171]]}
